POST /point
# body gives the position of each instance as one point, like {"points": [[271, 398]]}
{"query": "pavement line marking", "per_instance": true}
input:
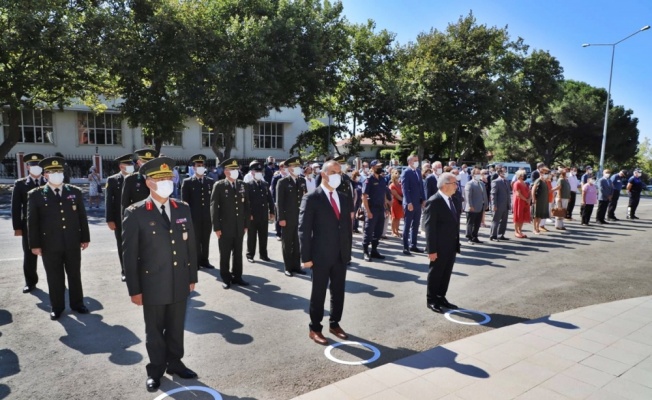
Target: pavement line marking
{"points": [[373, 358], [205, 389], [487, 318]]}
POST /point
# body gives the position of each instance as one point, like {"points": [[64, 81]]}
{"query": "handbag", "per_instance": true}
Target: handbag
{"points": [[558, 211]]}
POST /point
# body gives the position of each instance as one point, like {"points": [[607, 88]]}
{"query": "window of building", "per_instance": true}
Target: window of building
{"points": [[207, 135], [268, 135], [176, 140], [35, 126], [104, 128]]}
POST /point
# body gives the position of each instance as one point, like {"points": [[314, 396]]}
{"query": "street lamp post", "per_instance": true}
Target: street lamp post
{"points": [[611, 72]]}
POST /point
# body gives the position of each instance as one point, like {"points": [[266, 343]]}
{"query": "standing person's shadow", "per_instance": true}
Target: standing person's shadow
{"points": [[9, 364], [201, 322], [88, 334]]}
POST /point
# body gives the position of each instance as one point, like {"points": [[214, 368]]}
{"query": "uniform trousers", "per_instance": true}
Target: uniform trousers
{"points": [[58, 264], [230, 244], [611, 211], [118, 238], [373, 228], [258, 229], [291, 251], [30, 261], [439, 276], [203, 230], [164, 337], [634, 198], [323, 277]]}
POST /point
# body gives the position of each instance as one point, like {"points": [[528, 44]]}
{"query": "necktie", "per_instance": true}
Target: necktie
{"points": [[56, 192], [165, 215], [334, 204], [450, 201]]}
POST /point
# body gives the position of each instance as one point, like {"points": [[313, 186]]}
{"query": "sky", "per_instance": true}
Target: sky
{"points": [[557, 26]]}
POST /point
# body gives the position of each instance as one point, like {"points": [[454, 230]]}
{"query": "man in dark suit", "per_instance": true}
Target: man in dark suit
{"points": [[501, 200], [161, 267], [325, 231], [430, 185], [58, 231], [289, 192], [19, 215], [230, 214], [278, 175], [113, 201], [346, 187], [134, 188], [475, 195], [262, 212], [413, 200], [442, 241], [196, 191]]}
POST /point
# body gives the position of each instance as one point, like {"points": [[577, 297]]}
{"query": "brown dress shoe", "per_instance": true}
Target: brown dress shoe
{"points": [[339, 332], [318, 338]]}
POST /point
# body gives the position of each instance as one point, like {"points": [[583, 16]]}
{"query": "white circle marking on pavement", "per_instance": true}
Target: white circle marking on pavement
{"points": [[487, 318], [205, 389], [328, 354]]}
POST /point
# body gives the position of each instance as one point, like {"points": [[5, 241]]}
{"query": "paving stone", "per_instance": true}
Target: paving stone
{"points": [[629, 390], [607, 365], [569, 387], [588, 375]]}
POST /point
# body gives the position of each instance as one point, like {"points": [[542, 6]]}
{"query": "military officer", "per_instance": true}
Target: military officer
{"points": [[374, 198], [161, 267], [262, 211], [289, 192], [230, 214], [58, 231], [134, 188], [196, 191], [113, 201], [19, 215]]}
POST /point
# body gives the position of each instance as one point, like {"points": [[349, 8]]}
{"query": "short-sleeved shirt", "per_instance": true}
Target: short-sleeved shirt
{"points": [[376, 189], [637, 185]]}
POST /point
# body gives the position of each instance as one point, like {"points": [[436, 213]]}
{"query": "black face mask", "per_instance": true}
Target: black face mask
{"points": [[378, 170]]}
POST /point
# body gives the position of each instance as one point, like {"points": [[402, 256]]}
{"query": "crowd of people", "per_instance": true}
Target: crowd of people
{"points": [[315, 209]]}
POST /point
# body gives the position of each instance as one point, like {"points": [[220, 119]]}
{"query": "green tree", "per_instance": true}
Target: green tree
{"points": [[50, 53]]}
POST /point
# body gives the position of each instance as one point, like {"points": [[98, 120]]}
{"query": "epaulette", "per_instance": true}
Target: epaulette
{"points": [[174, 203], [149, 206]]}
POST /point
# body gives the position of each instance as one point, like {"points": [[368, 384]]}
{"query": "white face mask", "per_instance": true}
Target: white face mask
{"points": [[415, 164], [35, 170], [545, 176], [334, 180], [477, 177], [296, 171], [459, 178], [233, 174], [439, 171], [200, 170], [55, 178], [607, 175], [129, 169], [258, 176], [317, 171], [164, 188]]}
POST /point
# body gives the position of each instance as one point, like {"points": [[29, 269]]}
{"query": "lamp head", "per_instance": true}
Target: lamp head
{"points": [[645, 28], [585, 45]]}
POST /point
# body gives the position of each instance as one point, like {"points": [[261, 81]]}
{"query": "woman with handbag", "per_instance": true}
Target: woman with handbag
{"points": [[562, 199], [94, 188]]}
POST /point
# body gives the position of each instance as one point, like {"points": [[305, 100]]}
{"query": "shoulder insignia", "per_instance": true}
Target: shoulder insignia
{"points": [[174, 203], [148, 205]]}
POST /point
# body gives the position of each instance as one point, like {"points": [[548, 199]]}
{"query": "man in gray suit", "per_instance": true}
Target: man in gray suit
{"points": [[500, 199], [605, 189], [475, 196]]}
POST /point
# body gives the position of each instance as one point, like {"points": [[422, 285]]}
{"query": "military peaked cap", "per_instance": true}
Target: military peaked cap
{"points": [[158, 168], [230, 163], [125, 159], [52, 164], [146, 154], [198, 158], [33, 158]]}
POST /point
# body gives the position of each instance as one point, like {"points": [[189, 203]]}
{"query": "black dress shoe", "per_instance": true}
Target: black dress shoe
{"points": [[250, 259], [240, 282], [376, 254], [416, 250], [503, 238], [185, 373], [367, 256], [82, 310], [54, 315], [289, 274], [208, 266], [494, 239], [123, 278], [226, 285], [152, 384], [476, 240], [299, 271], [28, 288], [447, 304], [407, 252], [436, 308], [265, 258]]}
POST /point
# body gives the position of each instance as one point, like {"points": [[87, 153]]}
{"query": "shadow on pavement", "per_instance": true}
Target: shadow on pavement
{"points": [[440, 357], [261, 292], [556, 324], [202, 322], [354, 287]]}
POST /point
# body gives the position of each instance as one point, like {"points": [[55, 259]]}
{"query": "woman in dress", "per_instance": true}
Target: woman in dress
{"points": [[540, 199], [397, 202], [520, 204], [94, 181]]}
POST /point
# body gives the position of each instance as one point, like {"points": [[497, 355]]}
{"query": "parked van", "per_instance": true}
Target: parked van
{"points": [[512, 167]]}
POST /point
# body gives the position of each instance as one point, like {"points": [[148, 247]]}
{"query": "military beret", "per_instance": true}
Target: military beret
{"points": [[158, 168], [127, 158], [146, 154], [52, 164], [293, 162], [198, 158], [33, 158], [229, 163]]}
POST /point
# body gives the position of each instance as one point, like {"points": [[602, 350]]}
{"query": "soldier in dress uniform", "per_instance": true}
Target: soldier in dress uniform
{"points": [[113, 202], [161, 267], [262, 211], [196, 191], [134, 188], [289, 192], [19, 215], [58, 231], [230, 214]]}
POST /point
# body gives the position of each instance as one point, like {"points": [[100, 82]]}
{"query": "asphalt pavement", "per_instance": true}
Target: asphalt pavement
{"points": [[252, 342]]}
